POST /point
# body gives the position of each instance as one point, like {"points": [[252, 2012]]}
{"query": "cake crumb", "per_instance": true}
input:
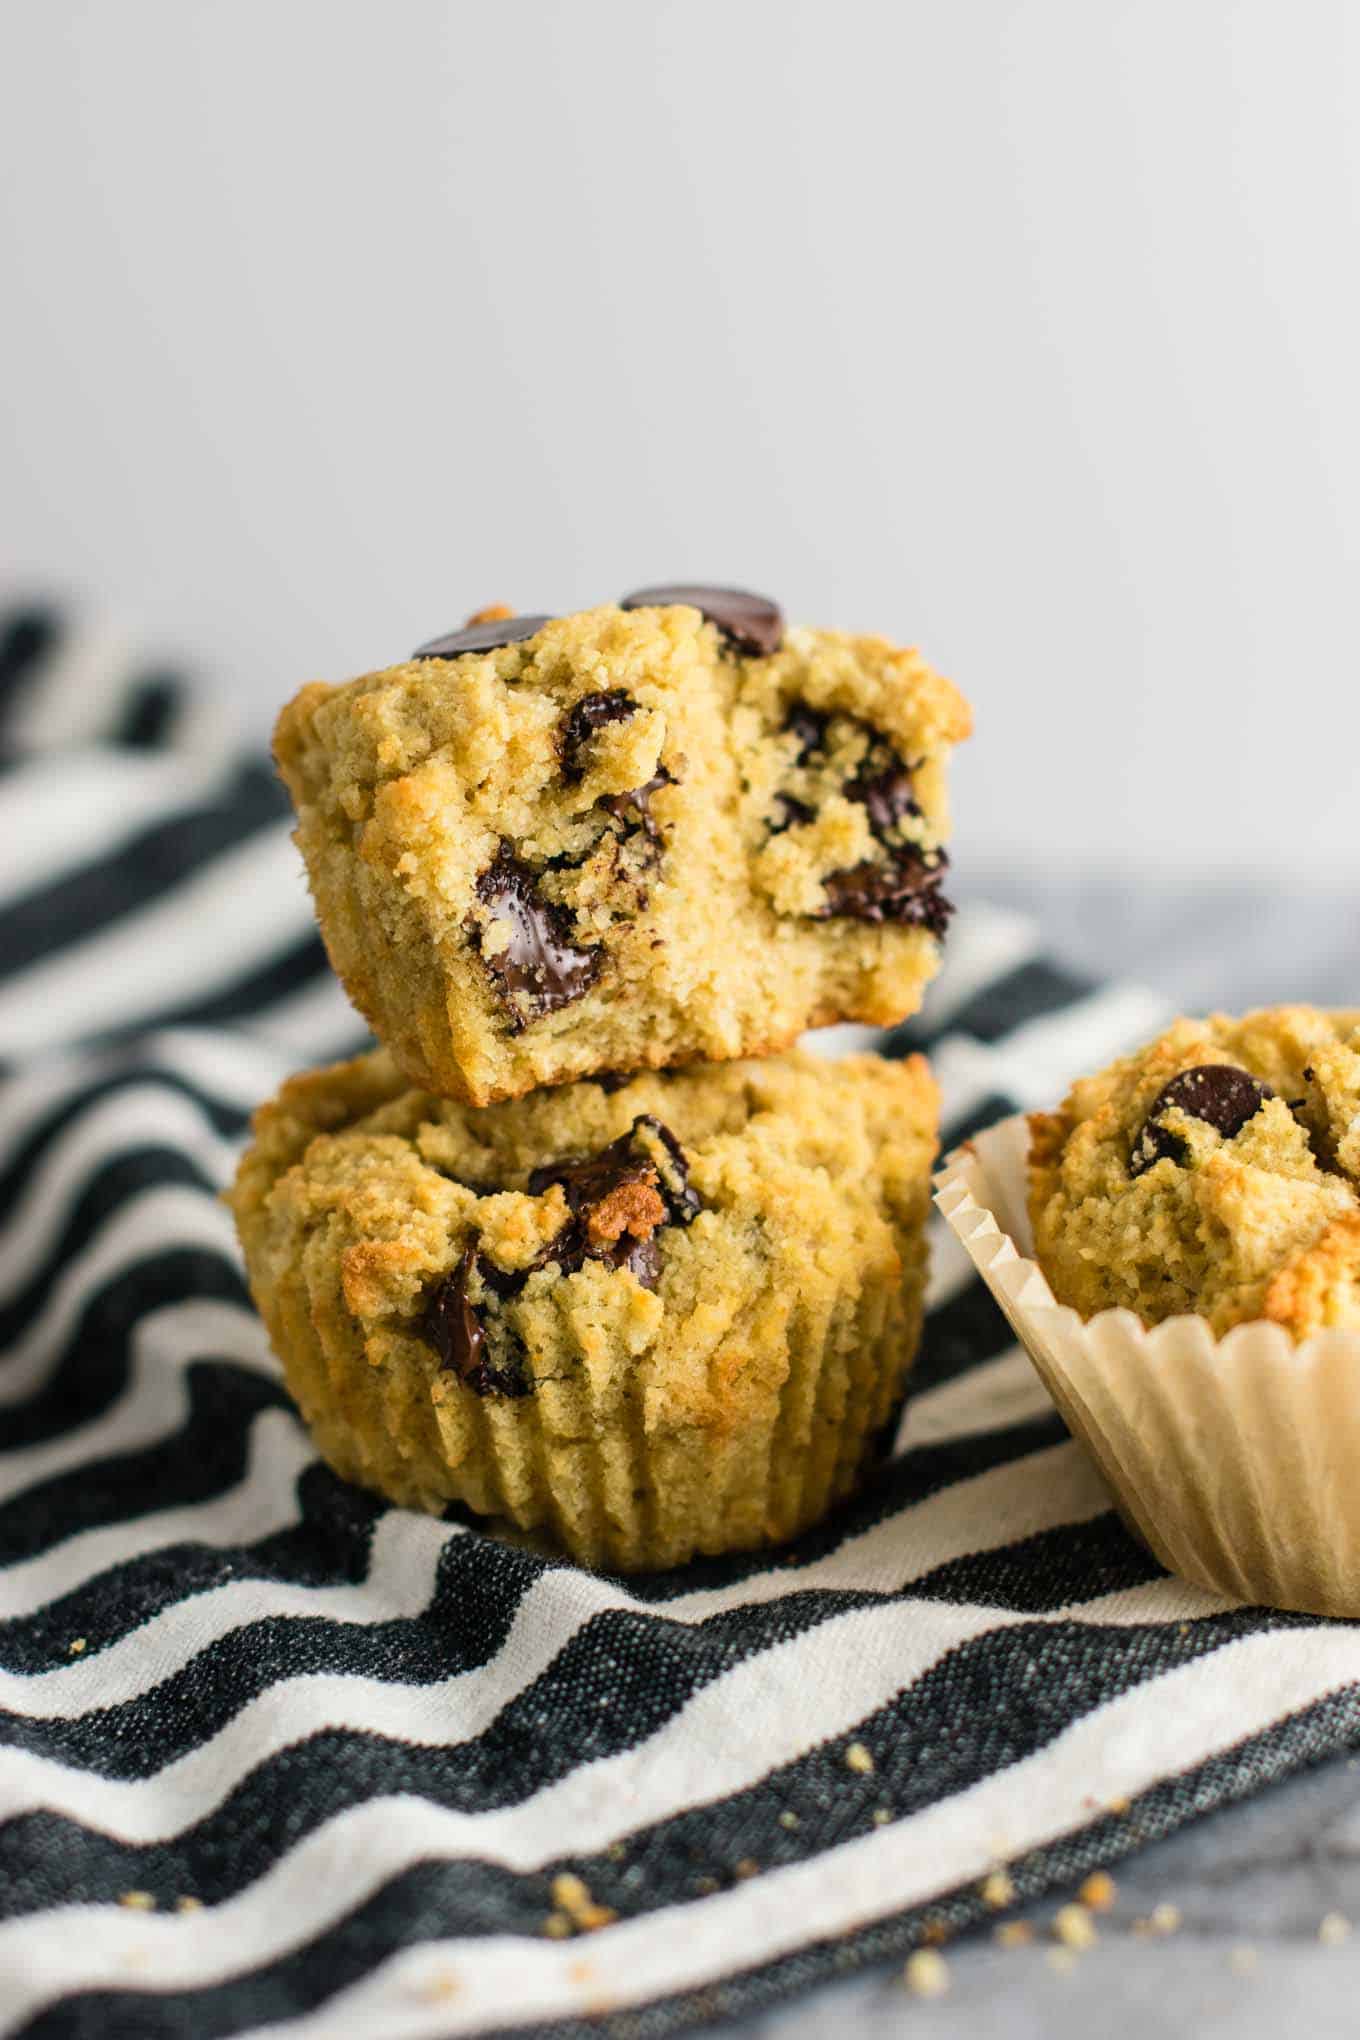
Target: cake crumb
{"points": [[926, 1974], [1013, 1933], [1163, 1919], [137, 1901], [788, 1819], [857, 1758], [935, 1933], [494, 612], [440, 1985], [571, 1895], [187, 1903], [76, 1646], [557, 1926], [569, 1892], [1333, 1929], [1099, 1891], [998, 1890], [882, 1815], [1118, 1806], [1074, 1927], [1243, 1959], [748, 1867]]}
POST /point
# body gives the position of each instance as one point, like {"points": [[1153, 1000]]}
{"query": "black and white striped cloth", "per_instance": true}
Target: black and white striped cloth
{"points": [[275, 1759]]}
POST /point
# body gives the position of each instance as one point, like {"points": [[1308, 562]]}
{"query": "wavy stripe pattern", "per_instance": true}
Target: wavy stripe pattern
{"points": [[367, 1741]]}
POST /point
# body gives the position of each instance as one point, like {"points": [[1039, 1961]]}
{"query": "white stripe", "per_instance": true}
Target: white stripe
{"points": [[59, 812], [77, 691], [1003, 1391], [1034, 1065], [153, 1406], [314, 1023], [757, 1718], [221, 924], [263, 1502], [230, 1068], [155, 1222], [1107, 1754], [398, 1586], [985, 944], [1010, 1502], [142, 1115]]}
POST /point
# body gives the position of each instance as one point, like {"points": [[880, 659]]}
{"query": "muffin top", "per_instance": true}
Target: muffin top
{"points": [[650, 1213], [1214, 1171]]}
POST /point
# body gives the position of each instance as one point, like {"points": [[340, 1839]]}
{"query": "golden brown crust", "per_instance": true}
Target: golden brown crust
{"points": [[728, 1407]]}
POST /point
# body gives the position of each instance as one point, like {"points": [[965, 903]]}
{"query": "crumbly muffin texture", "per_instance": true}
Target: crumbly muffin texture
{"points": [[653, 1317], [1216, 1171], [635, 836]]}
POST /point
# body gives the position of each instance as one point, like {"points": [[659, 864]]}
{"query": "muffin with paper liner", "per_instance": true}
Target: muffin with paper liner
{"points": [[1178, 1248]]}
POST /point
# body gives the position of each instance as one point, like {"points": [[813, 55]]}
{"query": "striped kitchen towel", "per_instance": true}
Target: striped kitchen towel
{"points": [[276, 1759]]}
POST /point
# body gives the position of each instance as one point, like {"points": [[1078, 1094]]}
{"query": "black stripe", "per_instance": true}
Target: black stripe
{"points": [[95, 1364], [129, 1071], [1030, 992], [149, 712], [205, 1457], [105, 1189], [964, 1332], [145, 869], [980, 1709], [27, 638], [265, 984], [996, 1105], [329, 1546]]}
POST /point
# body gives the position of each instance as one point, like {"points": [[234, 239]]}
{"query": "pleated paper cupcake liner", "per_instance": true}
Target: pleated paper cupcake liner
{"points": [[1233, 1458]]}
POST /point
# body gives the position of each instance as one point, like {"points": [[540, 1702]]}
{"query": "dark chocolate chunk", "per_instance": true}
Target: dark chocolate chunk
{"points": [[1218, 1093], [588, 1179], [791, 810], [634, 808], [582, 720], [541, 969], [455, 1329], [683, 1200], [482, 637], [617, 1199], [613, 1080], [886, 794], [809, 726], [749, 622], [904, 889]]}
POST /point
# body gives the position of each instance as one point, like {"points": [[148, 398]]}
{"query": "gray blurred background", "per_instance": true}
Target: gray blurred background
{"points": [[1024, 332]]}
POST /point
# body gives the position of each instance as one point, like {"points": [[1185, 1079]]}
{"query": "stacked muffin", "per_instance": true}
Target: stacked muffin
{"points": [[582, 1246]]}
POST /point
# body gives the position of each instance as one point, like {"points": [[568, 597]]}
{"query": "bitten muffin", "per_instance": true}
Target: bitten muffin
{"points": [[653, 832], [655, 1317], [1214, 1172]]}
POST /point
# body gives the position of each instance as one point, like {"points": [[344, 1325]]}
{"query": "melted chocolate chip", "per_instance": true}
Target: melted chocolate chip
{"points": [[482, 637], [886, 795], [751, 623], [634, 808], [455, 1329], [904, 889], [582, 720], [1220, 1094], [540, 969]]}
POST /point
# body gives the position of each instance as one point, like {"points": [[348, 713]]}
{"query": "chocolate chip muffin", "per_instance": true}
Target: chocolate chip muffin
{"points": [[652, 1318], [664, 829], [1214, 1172]]}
